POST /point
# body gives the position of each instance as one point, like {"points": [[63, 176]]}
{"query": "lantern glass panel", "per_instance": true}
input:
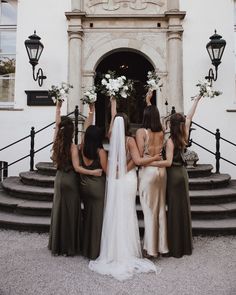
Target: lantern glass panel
{"points": [[215, 52]]}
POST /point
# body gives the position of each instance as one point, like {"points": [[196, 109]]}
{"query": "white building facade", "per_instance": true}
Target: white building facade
{"points": [[84, 37]]}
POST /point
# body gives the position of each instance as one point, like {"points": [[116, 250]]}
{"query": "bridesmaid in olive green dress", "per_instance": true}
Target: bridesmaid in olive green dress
{"points": [[179, 215], [92, 156], [65, 233]]}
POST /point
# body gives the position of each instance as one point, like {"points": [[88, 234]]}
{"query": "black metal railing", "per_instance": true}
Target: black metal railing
{"points": [[32, 134], [217, 153]]}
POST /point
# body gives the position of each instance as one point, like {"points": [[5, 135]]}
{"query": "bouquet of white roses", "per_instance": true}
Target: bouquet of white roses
{"points": [[58, 93], [90, 96], [117, 86], [205, 89], [154, 81]]}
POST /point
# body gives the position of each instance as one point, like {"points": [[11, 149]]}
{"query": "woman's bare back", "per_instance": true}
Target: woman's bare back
{"points": [[153, 142]]}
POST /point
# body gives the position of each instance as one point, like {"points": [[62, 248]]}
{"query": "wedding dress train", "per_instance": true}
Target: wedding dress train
{"points": [[120, 252]]}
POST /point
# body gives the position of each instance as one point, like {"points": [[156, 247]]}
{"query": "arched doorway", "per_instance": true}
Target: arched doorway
{"points": [[134, 66]]}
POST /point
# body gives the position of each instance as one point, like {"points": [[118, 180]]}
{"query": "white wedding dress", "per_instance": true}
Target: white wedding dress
{"points": [[120, 252]]}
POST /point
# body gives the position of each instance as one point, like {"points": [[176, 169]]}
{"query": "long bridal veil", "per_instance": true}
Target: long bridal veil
{"points": [[120, 252]]}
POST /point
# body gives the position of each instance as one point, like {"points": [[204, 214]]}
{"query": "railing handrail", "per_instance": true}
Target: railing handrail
{"points": [[32, 136], [206, 149], [203, 128], [43, 128], [213, 133]]}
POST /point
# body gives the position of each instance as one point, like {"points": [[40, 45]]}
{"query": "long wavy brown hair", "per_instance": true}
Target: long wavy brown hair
{"points": [[178, 130], [61, 155]]}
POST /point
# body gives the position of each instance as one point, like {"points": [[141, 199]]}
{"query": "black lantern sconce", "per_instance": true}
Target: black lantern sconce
{"points": [[34, 49], [215, 49]]}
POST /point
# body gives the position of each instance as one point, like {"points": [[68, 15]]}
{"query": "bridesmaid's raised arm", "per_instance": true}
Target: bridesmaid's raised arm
{"points": [[89, 119], [148, 97], [191, 113], [57, 118]]}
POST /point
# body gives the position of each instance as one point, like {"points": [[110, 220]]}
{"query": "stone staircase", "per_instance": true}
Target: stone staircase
{"points": [[26, 201]]}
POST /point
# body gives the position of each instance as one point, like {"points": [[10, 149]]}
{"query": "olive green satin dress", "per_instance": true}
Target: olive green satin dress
{"points": [[92, 190], [65, 229], [179, 214]]}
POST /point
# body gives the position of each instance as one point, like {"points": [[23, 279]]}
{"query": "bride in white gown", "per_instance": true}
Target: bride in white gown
{"points": [[120, 252]]}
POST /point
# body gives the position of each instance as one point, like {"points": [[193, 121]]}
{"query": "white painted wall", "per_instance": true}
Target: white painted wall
{"points": [[202, 18], [47, 17]]}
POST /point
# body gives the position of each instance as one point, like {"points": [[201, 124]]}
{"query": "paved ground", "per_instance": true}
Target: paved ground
{"points": [[27, 267]]}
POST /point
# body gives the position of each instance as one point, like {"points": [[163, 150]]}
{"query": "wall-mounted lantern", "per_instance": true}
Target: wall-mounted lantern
{"points": [[34, 49], [215, 49]]}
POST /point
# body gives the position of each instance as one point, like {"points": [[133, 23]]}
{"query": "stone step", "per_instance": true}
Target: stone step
{"points": [[214, 227], [24, 207], [17, 189], [42, 224], [214, 196], [209, 182], [45, 175], [43, 208], [201, 170], [217, 211], [35, 178], [46, 168], [23, 222]]}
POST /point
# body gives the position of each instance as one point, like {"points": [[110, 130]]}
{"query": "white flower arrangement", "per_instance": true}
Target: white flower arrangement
{"points": [[59, 93], [90, 96], [205, 89], [118, 87], [154, 81]]}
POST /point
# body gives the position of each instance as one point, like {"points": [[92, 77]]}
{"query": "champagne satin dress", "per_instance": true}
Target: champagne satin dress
{"points": [[152, 193]]}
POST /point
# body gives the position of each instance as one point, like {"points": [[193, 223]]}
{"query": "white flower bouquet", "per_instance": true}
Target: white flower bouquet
{"points": [[116, 86], [154, 81], [59, 93], [90, 96], [205, 89]]}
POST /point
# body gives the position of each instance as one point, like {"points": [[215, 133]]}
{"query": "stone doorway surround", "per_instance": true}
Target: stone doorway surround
{"points": [[151, 27]]}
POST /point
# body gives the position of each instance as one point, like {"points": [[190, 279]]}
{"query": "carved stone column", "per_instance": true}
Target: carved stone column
{"points": [[75, 34], [175, 60]]}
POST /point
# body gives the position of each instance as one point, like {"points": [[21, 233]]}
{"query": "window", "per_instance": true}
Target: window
{"points": [[8, 20]]}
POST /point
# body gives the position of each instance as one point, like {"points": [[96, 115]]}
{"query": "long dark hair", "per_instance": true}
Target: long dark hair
{"points": [[92, 142], [151, 119], [61, 155], [126, 123], [178, 130]]}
